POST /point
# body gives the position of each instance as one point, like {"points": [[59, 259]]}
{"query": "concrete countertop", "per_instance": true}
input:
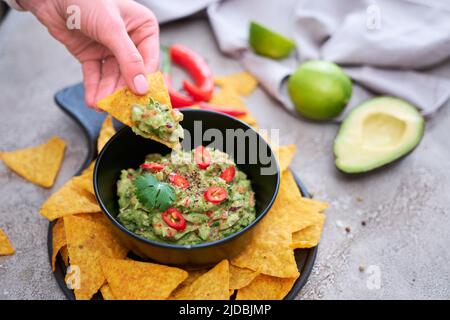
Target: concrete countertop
{"points": [[392, 225]]}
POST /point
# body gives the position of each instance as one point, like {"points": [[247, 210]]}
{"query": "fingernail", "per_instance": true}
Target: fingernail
{"points": [[140, 84]]}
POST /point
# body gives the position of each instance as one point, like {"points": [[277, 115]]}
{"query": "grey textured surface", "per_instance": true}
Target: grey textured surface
{"points": [[405, 206]]}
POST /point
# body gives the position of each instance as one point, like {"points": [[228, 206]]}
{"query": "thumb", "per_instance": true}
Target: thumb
{"points": [[130, 61]]}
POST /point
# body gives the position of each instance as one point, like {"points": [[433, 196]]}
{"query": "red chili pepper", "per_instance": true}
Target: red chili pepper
{"points": [[152, 166], [174, 219], [230, 111], [202, 157], [178, 180], [228, 174], [215, 194], [198, 69], [177, 99]]}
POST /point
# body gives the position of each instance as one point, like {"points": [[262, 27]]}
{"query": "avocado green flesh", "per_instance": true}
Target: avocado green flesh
{"points": [[376, 133]]}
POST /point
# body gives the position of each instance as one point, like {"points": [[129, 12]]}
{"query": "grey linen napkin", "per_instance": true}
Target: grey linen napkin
{"points": [[384, 45]]}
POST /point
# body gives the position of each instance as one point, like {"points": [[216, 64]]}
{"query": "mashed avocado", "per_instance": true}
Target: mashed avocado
{"points": [[186, 197], [158, 120]]}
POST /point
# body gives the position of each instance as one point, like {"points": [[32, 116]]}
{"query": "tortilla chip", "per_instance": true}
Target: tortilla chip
{"points": [[265, 287], [194, 106], [313, 204], [70, 199], [192, 276], [285, 154], [213, 285], [85, 180], [310, 236], [243, 83], [106, 132], [269, 251], [64, 255], [269, 257], [97, 217], [241, 277], [107, 293], [87, 243], [6, 248], [120, 103], [227, 97], [301, 212], [39, 164], [133, 280], [59, 239]]}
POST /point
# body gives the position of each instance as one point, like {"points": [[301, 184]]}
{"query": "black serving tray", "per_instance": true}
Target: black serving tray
{"points": [[71, 101]]}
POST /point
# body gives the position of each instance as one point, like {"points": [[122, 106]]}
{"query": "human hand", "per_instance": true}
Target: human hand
{"points": [[117, 43]]}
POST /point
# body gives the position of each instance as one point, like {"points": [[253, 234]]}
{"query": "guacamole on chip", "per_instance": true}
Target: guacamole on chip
{"points": [[186, 198], [150, 115]]}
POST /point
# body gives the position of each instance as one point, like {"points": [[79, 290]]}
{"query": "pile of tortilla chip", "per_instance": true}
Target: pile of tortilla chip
{"points": [[98, 262], [39, 164]]}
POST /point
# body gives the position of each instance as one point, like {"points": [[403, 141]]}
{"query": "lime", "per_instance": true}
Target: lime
{"points": [[269, 43], [320, 90]]}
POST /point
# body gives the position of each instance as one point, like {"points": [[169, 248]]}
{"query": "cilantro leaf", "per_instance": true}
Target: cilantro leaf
{"points": [[152, 193]]}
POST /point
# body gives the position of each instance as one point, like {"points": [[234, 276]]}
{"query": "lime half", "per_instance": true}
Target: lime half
{"points": [[269, 43]]}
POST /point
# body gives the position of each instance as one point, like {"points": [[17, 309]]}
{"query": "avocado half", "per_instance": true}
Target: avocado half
{"points": [[377, 132]]}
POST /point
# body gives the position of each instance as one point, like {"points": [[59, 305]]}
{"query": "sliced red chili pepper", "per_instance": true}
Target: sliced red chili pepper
{"points": [[202, 157], [215, 194], [226, 110], [228, 174], [198, 69], [174, 219], [178, 180], [152, 166]]}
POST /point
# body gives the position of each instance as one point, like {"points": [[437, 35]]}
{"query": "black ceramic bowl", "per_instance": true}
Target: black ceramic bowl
{"points": [[127, 150]]}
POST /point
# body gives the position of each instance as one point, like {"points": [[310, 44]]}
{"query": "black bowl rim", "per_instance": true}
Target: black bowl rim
{"points": [[176, 246]]}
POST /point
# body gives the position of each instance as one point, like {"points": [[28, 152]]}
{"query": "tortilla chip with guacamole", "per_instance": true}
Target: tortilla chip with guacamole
{"points": [[150, 115]]}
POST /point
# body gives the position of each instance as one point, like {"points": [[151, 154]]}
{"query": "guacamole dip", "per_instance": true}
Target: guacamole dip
{"points": [[156, 119], [186, 198]]}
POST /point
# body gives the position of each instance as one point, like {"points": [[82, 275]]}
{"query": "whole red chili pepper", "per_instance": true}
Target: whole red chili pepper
{"points": [[198, 69], [177, 98], [174, 219]]}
